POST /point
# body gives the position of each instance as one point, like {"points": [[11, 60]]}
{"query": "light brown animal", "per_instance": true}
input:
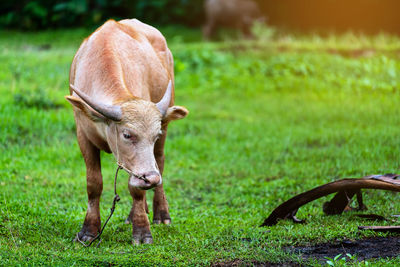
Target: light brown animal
{"points": [[121, 85], [238, 14]]}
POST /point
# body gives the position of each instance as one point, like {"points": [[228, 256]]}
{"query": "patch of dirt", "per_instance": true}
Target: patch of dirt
{"points": [[378, 247], [364, 249], [241, 263]]}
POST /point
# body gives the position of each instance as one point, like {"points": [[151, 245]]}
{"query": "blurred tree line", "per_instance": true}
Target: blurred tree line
{"points": [[360, 15], [43, 14]]}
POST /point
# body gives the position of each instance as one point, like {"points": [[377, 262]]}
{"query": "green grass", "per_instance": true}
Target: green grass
{"points": [[268, 119]]}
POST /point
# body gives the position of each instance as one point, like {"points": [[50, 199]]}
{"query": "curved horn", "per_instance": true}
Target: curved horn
{"points": [[111, 112], [166, 99]]}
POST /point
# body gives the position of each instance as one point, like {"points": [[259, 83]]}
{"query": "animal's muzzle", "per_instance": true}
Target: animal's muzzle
{"points": [[146, 180]]}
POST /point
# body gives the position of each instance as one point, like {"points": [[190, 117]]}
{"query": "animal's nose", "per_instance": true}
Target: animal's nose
{"points": [[151, 178], [145, 180]]}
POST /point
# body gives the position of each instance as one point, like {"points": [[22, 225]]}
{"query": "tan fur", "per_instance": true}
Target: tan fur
{"points": [[125, 63]]}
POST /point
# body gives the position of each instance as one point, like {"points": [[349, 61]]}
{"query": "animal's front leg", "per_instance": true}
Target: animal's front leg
{"points": [[160, 204], [130, 216], [92, 224], [140, 223], [209, 30]]}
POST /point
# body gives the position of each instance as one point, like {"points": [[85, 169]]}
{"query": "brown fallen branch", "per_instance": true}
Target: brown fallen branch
{"points": [[346, 189]]}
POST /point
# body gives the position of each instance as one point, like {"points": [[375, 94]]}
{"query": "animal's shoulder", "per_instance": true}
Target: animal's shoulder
{"points": [[154, 36]]}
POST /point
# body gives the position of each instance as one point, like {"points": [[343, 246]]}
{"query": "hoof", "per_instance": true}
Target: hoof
{"points": [[84, 237], [128, 220], [142, 235], [166, 221], [162, 217]]}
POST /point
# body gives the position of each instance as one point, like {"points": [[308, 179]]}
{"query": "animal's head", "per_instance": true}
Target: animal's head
{"points": [[132, 129]]}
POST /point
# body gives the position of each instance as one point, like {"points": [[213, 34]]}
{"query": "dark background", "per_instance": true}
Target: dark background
{"points": [[369, 16]]}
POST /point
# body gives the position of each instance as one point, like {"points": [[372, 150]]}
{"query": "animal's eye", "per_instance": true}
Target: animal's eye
{"points": [[158, 136], [127, 136]]}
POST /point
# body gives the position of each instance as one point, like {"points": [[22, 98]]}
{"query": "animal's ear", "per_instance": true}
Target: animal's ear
{"points": [[91, 113], [175, 113]]}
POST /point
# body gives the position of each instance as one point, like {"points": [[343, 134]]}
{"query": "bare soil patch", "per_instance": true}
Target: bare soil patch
{"points": [[378, 247], [364, 249], [241, 263]]}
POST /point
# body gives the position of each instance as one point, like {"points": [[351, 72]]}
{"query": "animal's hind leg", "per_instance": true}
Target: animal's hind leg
{"points": [[160, 204], [246, 30], [91, 154], [160, 207]]}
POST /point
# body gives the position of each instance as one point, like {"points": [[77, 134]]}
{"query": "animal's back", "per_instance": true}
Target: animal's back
{"points": [[223, 10], [123, 59], [229, 12]]}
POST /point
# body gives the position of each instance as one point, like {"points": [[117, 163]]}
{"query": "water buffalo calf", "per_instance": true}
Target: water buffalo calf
{"points": [[122, 91]]}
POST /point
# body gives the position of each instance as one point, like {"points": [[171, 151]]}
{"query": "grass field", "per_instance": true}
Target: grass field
{"points": [[268, 119]]}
